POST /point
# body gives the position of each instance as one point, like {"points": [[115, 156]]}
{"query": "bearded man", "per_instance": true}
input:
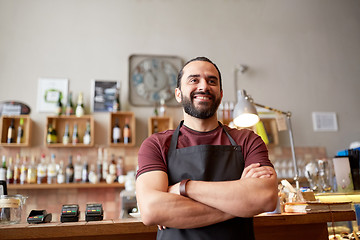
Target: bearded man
{"points": [[203, 180]]}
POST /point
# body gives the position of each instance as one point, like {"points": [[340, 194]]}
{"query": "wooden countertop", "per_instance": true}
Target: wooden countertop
{"points": [[133, 228]]}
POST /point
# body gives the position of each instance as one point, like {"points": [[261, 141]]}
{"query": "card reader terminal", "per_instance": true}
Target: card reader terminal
{"points": [[94, 212], [39, 216], [70, 213]]}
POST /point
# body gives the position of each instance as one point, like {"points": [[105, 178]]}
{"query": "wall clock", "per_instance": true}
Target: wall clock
{"points": [[153, 77]]}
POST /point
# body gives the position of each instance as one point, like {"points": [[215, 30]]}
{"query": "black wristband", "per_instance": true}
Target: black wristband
{"points": [[182, 187]]}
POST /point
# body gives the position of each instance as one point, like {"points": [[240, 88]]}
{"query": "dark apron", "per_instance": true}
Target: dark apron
{"points": [[207, 163]]}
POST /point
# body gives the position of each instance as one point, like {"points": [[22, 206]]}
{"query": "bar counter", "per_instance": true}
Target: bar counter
{"points": [[311, 226]]}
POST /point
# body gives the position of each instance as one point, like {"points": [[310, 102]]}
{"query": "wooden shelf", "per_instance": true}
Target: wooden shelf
{"points": [[63, 186], [121, 118], [162, 124], [60, 123], [5, 123]]}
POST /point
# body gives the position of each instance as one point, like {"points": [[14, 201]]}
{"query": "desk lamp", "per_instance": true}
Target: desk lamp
{"points": [[245, 115]]}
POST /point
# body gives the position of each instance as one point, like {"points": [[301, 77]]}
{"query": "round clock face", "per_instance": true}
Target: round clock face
{"points": [[154, 79]]}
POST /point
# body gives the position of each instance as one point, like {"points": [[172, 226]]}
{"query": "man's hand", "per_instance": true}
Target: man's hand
{"points": [[256, 171]]}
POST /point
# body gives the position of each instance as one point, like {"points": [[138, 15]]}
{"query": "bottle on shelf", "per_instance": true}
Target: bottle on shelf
{"points": [[59, 106], [112, 166], [127, 132], [116, 132], [51, 136], [66, 137], [69, 172], [69, 110], [23, 171], [11, 132], [78, 169], [80, 111], [10, 172], [99, 165], [42, 170], [116, 102], [52, 170], [20, 132], [93, 177], [61, 173], [105, 165], [32, 171], [162, 108], [85, 172], [120, 171], [75, 135], [87, 136], [155, 128], [3, 169], [17, 167]]}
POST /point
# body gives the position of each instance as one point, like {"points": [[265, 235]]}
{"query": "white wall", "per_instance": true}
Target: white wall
{"points": [[303, 55]]}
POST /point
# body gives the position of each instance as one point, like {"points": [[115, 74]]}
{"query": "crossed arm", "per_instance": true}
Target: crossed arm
{"points": [[208, 202]]}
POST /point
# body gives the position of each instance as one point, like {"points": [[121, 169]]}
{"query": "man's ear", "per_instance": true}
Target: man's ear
{"points": [[178, 95]]}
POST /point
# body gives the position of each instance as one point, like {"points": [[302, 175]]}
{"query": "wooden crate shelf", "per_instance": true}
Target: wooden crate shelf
{"points": [[60, 123], [121, 117], [5, 123], [161, 123]]}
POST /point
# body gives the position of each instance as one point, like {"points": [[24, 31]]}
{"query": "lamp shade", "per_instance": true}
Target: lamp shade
{"points": [[245, 114]]}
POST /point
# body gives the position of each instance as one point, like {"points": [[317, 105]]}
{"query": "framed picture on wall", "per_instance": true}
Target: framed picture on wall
{"points": [[49, 92], [103, 94]]}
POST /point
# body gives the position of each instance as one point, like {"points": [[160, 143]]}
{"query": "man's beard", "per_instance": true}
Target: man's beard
{"points": [[205, 110]]}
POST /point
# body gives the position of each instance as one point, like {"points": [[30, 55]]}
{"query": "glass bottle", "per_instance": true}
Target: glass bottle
{"points": [[162, 109], [87, 136], [3, 169], [53, 132], [20, 132], [10, 172], [66, 137], [80, 111], [116, 102], [52, 170], [69, 172], [127, 132], [75, 136], [93, 177], [116, 132], [78, 169], [120, 171], [85, 172], [99, 165], [42, 170], [59, 107], [61, 173], [23, 171], [11, 132], [17, 167], [112, 166], [105, 165], [69, 110], [32, 171]]}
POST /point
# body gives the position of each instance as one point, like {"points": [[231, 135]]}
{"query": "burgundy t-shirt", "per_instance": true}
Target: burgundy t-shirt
{"points": [[153, 151]]}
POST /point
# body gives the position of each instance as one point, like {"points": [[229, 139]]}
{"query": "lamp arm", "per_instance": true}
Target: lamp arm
{"points": [[288, 114], [291, 137], [296, 178]]}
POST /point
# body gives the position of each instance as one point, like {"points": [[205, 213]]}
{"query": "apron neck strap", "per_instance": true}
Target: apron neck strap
{"points": [[175, 136]]}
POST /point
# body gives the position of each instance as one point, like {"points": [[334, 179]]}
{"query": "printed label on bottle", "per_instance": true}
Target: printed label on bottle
{"points": [[116, 133]]}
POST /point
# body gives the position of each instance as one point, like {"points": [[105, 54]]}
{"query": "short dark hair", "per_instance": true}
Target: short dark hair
{"points": [[204, 59]]}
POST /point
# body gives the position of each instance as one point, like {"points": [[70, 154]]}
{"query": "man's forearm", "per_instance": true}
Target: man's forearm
{"points": [[171, 210], [244, 198]]}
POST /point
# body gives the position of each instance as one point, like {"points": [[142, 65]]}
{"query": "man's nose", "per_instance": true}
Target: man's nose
{"points": [[203, 85]]}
